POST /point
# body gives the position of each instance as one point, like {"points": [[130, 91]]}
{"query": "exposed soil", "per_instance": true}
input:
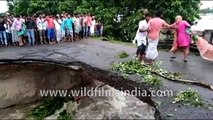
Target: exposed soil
{"points": [[21, 81], [101, 54]]}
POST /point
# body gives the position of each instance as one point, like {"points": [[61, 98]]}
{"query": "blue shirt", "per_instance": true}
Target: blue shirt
{"points": [[68, 23]]}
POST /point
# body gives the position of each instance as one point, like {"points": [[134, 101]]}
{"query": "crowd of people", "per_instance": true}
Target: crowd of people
{"points": [[47, 29], [148, 35]]}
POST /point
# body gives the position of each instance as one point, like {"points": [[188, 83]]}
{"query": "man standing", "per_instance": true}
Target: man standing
{"points": [[13, 31], [62, 28], [8, 32], [57, 23], [82, 26], [88, 23], [141, 36], [85, 25], [77, 27], [155, 26], [3, 37], [30, 30], [69, 27], [50, 29], [17, 24], [41, 28]]}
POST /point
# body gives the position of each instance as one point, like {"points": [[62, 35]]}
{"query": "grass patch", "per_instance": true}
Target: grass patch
{"points": [[189, 97], [123, 54], [96, 37], [65, 116], [112, 40], [47, 107]]}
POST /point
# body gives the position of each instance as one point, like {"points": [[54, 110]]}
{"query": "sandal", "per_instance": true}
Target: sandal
{"points": [[185, 60]]}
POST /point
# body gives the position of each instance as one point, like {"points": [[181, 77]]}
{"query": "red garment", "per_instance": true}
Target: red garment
{"points": [[50, 23], [89, 21]]}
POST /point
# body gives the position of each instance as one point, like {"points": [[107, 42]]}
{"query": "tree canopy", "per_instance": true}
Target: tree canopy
{"points": [[120, 17]]}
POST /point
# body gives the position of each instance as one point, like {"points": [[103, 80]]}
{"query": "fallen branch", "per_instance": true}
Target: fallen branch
{"points": [[135, 67], [184, 80]]}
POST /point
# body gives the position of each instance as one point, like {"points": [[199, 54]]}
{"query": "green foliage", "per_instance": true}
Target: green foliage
{"points": [[123, 54], [145, 71], [189, 97], [107, 11], [152, 80], [65, 116], [134, 67], [47, 107]]}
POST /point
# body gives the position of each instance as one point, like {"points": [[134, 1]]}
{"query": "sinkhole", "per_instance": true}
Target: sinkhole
{"points": [[22, 80]]}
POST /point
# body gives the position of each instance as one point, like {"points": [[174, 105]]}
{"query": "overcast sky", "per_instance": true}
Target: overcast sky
{"points": [[206, 4]]}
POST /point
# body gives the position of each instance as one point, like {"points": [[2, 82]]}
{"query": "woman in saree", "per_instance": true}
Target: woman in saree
{"points": [[182, 38]]}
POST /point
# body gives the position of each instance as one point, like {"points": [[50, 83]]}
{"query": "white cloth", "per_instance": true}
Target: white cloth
{"points": [[152, 51], [7, 27], [57, 24], [92, 27], [77, 23], [141, 36], [39, 23], [74, 20], [23, 20], [58, 35]]}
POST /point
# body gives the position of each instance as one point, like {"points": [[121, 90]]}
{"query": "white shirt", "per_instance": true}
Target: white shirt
{"points": [[141, 36], [74, 20], [78, 22], [57, 24], [12, 28], [39, 23], [23, 20]]}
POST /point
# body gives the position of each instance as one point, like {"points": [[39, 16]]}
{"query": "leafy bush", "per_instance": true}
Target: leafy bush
{"points": [[108, 12], [47, 107], [145, 71], [189, 97], [152, 80], [135, 67]]}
